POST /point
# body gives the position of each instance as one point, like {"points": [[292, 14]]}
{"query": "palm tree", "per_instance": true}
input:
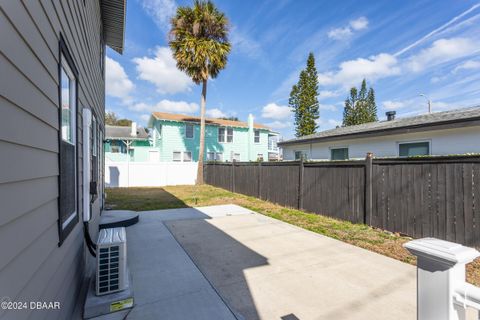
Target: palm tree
{"points": [[199, 41]]}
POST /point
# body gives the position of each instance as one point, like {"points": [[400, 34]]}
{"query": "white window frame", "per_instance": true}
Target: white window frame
{"points": [[302, 151], [210, 156], [255, 136], [226, 135], [336, 148], [219, 156], [193, 130], [429, 141]]}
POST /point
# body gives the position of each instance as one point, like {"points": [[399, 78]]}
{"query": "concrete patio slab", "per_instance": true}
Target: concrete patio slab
{"points": [[166, 282], [267, 269]]}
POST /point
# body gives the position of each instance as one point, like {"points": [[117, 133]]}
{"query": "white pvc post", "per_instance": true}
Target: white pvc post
{"points": [[440, 270]]}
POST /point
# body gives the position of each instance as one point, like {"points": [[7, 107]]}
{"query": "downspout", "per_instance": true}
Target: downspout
{"points": [[250, 137]]}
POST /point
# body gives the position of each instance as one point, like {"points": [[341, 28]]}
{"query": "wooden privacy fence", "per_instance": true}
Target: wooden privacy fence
{"points": [[420, 197]]}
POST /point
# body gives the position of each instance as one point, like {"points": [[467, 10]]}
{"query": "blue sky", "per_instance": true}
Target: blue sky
{"points": [[402, 48]]}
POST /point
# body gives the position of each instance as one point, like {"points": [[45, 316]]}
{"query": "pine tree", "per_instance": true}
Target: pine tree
{"points": [[360, 106], [303, 100]]}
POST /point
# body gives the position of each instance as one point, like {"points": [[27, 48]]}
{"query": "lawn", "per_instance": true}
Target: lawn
{"points": [[386, 243]]}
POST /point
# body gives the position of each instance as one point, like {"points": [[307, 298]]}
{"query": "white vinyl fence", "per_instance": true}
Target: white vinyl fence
{"points": [[148, 174]]}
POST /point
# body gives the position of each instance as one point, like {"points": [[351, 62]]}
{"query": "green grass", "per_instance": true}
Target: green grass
{"points": [[386, 243]]}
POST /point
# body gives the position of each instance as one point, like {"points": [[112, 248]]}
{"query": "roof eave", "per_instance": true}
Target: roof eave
{"points": [[113, 18], [388, 131]]}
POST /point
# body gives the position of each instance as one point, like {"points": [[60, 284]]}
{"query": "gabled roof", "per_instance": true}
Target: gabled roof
{"points": [[124, 133], [424, 122], [208, 121], [113, 18]]}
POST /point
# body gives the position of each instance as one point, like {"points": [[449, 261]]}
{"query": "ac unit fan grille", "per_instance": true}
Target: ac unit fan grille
{"points": [[108, 269]]}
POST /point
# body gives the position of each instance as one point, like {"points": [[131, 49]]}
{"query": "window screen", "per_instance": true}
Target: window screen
{"points": [[221, 134], [412, 149], [339, 154], [177, 156], [189, 131], [187, 156], [229, 134], [300, 155], [257, 136]]}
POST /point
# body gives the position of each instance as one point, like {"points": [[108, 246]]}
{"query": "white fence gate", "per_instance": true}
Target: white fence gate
{"points": [[149, 174]]}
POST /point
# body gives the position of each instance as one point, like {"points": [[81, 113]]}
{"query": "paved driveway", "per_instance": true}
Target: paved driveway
{"points": [[267, 269]]}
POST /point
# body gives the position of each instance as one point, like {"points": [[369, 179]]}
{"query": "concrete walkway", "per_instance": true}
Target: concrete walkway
{"points": [[167, 284], [267, 269]]}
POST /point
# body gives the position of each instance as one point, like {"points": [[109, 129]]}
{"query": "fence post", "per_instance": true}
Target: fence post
{"points": [[233, 176], [368, 189], [259, 179], [300, 184], [442, 293]]}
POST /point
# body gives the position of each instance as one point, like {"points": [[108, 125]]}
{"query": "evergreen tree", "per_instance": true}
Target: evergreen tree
{"points": [[303, 100], [360, 106]]}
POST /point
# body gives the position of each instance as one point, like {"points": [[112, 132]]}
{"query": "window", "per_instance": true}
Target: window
{"points": [[117, 146], [256, 138], [260, 157], [219, 156], [411, 149], [210, 156], [339, 154], [300, 155], [68, 144], [177, 156], [189, 131], [225, 134], [229, 134], [187, 156]]}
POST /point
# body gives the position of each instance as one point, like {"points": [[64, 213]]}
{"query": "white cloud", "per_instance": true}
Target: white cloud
{"points": [[166, 106], [215, 113], [145, 117], [329, 107], [161, 12], [324, 94], [340, 33], [117, 82], [346, 32], [359, 24], [279, 124], [325, 124], [441, 51], [393, 105], [162, 71], [467, 65], [353, 71], [276, 112]]}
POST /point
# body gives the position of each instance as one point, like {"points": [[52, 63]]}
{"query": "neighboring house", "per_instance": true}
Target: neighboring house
{"points": [[52, 83], [177, 137], [135, 140], [440, 133]]}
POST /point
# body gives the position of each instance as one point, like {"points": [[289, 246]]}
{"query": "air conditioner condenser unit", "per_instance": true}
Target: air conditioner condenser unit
{"points": [[111, 261]]}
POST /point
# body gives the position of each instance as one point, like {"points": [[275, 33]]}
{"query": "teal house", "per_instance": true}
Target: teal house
{"points": [[177, 139], [124, 144]]}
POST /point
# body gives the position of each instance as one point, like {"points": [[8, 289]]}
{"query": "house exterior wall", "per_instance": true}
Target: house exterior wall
{"points": [[442, 142], [139, 152], [171, 137], [33, 266]]}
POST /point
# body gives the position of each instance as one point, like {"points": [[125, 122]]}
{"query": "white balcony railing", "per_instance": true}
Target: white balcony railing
{"points": [[442, 292]]}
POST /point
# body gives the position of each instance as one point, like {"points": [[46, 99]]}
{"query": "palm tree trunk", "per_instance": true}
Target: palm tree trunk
{"points": [[202, 134]]}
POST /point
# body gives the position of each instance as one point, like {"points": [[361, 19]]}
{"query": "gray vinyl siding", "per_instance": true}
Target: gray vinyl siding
{"points": [[33, 267]]}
